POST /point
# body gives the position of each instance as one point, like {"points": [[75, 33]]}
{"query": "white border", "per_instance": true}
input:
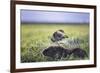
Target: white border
{"points": [[52, 64]]}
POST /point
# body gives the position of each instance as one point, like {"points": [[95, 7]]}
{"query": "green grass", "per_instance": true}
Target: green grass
{"points": [[35, 38]]}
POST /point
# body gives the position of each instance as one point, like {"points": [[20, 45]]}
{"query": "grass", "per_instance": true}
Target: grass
{"points": [[35, 38]]}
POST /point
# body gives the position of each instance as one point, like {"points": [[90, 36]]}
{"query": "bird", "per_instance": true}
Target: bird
{"points": [[58, 35]]}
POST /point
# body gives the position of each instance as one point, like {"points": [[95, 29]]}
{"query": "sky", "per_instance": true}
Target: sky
{"points": [[36, 16]]}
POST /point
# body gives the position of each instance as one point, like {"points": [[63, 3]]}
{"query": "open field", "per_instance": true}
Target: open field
{"points": [[36, 37]]}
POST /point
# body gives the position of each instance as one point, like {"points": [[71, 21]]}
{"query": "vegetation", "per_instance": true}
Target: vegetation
{"points": [[36, 37]]}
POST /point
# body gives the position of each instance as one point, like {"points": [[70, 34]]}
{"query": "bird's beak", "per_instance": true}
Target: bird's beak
{"points": [[66, 36]]}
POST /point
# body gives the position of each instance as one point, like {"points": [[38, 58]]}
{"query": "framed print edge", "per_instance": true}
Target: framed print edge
{"points": [[95, 36], [13, 36]]}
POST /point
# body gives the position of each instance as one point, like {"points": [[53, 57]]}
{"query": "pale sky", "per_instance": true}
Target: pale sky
{"points": [[33, 16]]}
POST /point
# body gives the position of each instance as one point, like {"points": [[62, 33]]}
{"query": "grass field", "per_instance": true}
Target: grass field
{"points": [[35, 38]]}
